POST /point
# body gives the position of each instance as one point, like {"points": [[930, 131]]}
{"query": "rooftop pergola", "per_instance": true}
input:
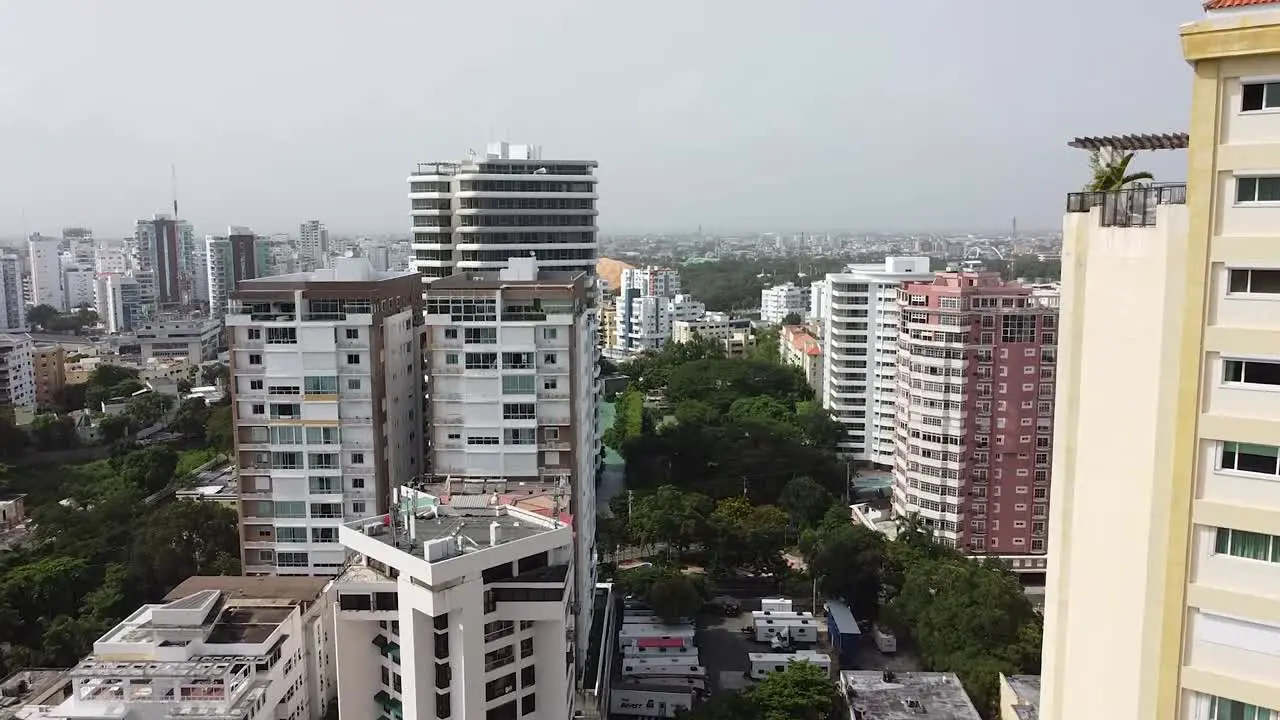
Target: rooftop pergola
{"points": [[1131, 143]]}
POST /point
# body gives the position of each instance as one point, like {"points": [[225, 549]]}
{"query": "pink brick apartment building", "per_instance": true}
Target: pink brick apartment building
{"points": [[974, 418]]}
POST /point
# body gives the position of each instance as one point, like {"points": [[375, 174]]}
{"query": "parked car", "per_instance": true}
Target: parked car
{"points": [[724, 604]]}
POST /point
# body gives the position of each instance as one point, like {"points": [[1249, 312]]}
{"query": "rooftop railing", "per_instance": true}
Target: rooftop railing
{"points": [[1131, 207]]}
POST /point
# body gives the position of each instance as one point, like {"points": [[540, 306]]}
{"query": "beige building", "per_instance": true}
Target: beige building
{"points": [[799, 348], [1164, 588], [51, 374], [1019, 697]]}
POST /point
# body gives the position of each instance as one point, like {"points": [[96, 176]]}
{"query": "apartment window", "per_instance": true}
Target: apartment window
{"points": [[526, 676], [354, 383], [482, 440], [353, 334], [526, 647], [481, 335], [254, 333], [325, 484], [1255, 281], [518, 384], [322, 461], [1037, 545], [495, 689], [527, 705], [324, 535], [520, 436], [357, 507], [290, 534], [353, 358], [286, 461], [320, 385], [1209, 707], [282, 336], [481, 361], [357, 458], [357, 483], [550, 359], [1263, 188], [549, 333], [285, 435], [443, 707], [1259, 96], [326, 510], [258, 409], [550, 383], [1251, 372], [255, 384], [518, 411], [1248, 545], [321, 435], [1248, 457], [255, 359], [451, 333], [291, 559]]}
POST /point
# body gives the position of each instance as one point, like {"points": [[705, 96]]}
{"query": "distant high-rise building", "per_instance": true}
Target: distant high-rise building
{"points": [[977, 361], [13, 308], [111, 256], [330, 360], [46, 272], [779, 301], [230, 259], [119, 301], [163, 262], [313, 245], [78, 287], [858, 327], [81, 244], [476, 214]]}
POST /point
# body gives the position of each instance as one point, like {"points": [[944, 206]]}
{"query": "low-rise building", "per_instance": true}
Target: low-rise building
{"points": [[462, 612], [17, 374], [799, 348], [50, 374], [1019, 697], [889, 695], [219, 648], [779, 301], [715, 326], [194, 340]]}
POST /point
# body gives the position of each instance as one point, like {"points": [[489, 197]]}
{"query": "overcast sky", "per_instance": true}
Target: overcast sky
{"points": [[736, 114]]}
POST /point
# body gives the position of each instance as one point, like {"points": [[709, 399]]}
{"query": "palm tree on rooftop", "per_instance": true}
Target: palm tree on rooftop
{"points": [[1110, 171]]}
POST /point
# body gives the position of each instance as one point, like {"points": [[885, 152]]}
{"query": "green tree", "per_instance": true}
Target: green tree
{"points": [[106, 375], [629, 421], [13, 440], [805, 502], [40, 315], [669, 517], [71, 397], [748, 536], [847, 563], [723, 705], [186, 538], [819, 428], [793, 319], [148, 409], [220, 433], [761, 408], [151, 468], [53, 432], [191, 419], [674, 597], [802, 691], [215, 374]]}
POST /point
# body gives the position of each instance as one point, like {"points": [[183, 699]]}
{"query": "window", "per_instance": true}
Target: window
{"points": [[357, 458], [1258, 282], [550, 359], [1253, 372], [255, 359], [289, 534], [1247, 457], [521, 436], [451, 333], [518, 411], [1259, 96], [290, 509], [517, 361], [526, 676], [1224, 709], [325, 484], [526, 647], [481, 361], [550, 383], [527, 705], [321, 435], [326, 510], [322, 461], [1258, 189], [255, 384], [1248, 545], [353, 358], [518, 384], [291, 559], [254, 333], [283, 390], [286, 410], [357, 507], [353, 383], [258, 409], [481, 336], [282, 336], [320, 385], [353, 334], [549, 333], [324, 535], [482, 440]]}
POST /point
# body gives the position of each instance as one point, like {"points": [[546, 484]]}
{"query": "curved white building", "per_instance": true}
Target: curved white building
{"points": [[479, 213]]}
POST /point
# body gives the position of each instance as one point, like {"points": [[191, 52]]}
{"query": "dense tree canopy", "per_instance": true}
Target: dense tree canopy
{"points": [[736, 284], [802, 691]]}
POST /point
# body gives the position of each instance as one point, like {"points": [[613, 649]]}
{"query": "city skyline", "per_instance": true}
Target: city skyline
{"points": [[710, 111]]}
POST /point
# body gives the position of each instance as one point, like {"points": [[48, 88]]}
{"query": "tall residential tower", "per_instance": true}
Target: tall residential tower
{"points": [[1164, 590]]}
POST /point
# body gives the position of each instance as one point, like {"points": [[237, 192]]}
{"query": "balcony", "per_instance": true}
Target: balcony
{"points": [[1132, 207]]}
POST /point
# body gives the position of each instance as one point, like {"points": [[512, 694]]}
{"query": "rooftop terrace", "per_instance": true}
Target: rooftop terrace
{"points": [[440, 532], [876, 695]]}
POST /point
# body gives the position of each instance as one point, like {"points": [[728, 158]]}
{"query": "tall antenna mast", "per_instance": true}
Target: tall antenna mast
{"points": [[173, 185]]}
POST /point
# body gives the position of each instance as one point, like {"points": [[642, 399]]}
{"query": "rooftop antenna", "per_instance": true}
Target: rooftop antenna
{"points": [[173, 185]]}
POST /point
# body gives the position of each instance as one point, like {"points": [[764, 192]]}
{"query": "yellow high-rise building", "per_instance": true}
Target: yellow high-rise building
{"points": [[1164, 583]]}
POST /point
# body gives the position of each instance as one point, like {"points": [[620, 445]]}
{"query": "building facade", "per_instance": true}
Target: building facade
{"points": [[17, 373], [326, 375], [646, 322], [798, 348], [457, 612], [194, 340], [510, 202], [779, 301], [859, 332], [13, 307], [313, 245], [46, 272], [238, 255], [119, 299], [974, 420], [513, 388], [163, 262], [50, 367], [216, 647], [655, 281], [78, 287], [1174, 449]]}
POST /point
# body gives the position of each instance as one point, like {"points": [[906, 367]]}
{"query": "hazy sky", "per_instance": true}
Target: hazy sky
{"points": [[736, 114]]}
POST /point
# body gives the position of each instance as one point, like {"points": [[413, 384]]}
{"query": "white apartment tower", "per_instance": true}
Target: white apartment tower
{"points": [[656, 281], [118, 298], [513, 389], [510, 202], [647, 322], [313, 244], [326, 393], [779, 301], [17, 372], [455, 610], [13, 308], [46, 272], [859, 340]]}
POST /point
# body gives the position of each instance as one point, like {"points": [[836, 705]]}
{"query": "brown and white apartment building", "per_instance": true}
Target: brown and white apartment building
{"points": [[326, 376]]}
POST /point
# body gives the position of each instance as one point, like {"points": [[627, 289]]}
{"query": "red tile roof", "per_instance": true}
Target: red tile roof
{"points": [[1223, 4]]}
